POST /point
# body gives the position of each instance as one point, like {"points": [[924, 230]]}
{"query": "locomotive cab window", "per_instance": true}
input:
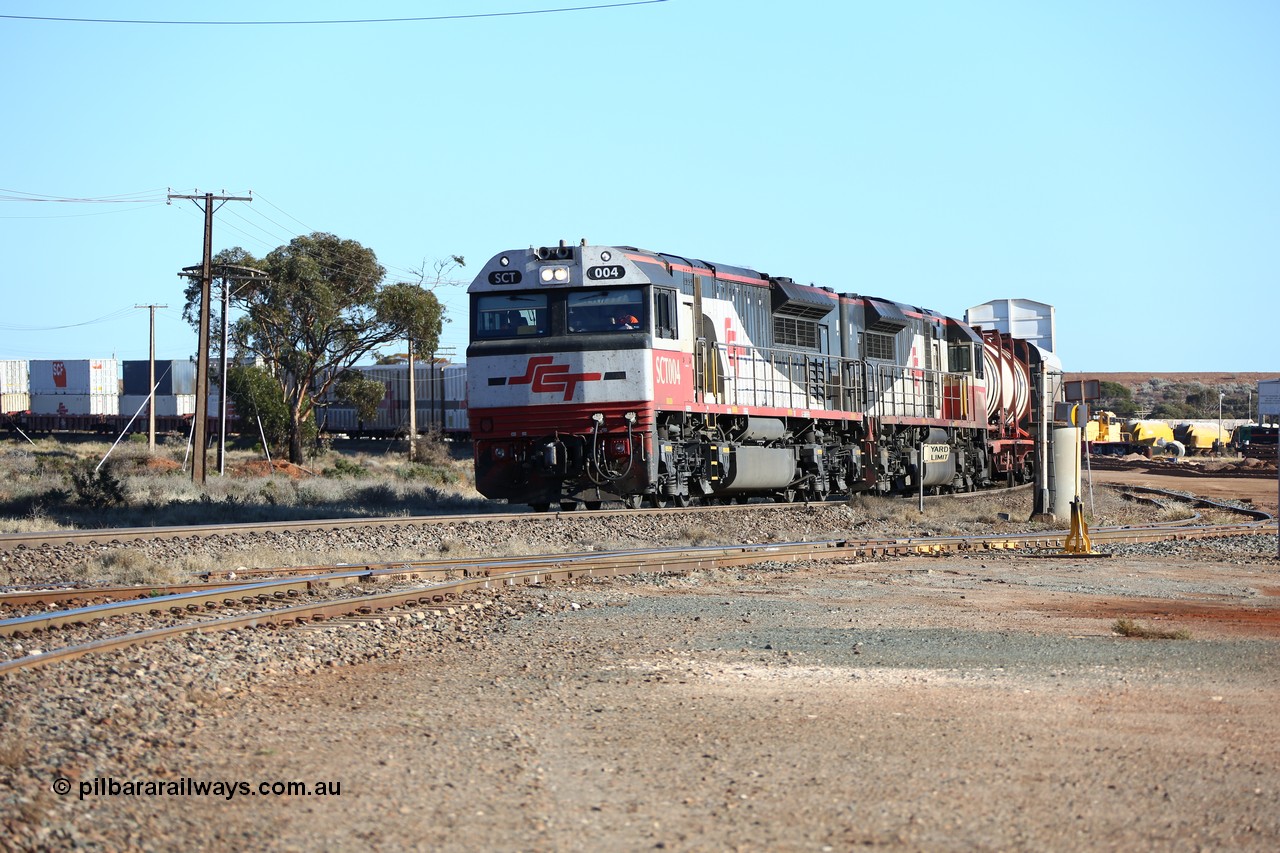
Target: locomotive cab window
{"points": [[618, 309], [511, 315], [664, 313], [960, 358]]}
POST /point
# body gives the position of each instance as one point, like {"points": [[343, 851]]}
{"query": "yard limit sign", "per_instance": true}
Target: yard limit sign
{"points": [[931, 454]]}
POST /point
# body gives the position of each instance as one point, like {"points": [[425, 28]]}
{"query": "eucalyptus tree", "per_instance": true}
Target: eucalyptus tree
{"points": [[322, 307]]}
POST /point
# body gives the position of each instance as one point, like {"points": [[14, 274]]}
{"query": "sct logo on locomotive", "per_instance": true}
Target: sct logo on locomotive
{"points": [[505, 277], [542, 376]]}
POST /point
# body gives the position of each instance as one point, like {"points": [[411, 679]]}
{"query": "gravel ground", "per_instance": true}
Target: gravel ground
{"points": [[925, 703]]}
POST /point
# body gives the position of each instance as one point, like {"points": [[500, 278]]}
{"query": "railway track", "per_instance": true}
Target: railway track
{"points": [[1180, 469], [124, 536], [277, 601]]}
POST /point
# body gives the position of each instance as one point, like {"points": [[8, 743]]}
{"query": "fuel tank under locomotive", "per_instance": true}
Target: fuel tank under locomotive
{"points": [[738, 468]]}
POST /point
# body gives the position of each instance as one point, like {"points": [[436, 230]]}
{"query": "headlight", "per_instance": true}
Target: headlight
{"points": [[550, 274]]}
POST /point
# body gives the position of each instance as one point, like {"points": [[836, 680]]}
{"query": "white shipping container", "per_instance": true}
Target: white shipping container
{"points": [[75, 404], [214, 403], [392, 416], [1024, 319], [456, 420], [338, 419], [14, 377], [14, 386], [166, 405], [455, 383], [84, 376]]}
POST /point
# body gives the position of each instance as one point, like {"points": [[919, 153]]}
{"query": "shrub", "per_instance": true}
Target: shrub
{"points": [[98, 488], [382, 495], [319, 491], [433, 451], [344, 467]]}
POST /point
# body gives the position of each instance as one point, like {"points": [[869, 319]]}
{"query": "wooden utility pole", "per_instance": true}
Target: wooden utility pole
{"points": [[413, 408], [151, 394], [200, 432]]}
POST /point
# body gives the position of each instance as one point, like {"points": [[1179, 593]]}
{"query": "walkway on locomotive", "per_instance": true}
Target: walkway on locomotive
{"points": [[562, 320]]}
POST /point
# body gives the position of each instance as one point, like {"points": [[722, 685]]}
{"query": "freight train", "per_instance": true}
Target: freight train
{"points": [[615, 374], [440, 401], [87, 396]]}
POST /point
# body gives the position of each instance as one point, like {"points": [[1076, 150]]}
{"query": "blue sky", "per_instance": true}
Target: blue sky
{"points": [[1116, 160]]}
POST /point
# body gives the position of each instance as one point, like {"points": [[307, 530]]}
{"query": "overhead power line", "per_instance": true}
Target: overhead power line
{"points": [[17, 327], [426, 18], [107, 212], [143, 197], [285, 237]]}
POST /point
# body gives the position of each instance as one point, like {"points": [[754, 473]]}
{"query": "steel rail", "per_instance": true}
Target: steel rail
{"points": [[212, 597], [1196, 500], [13, 599], [485, 565], [604, 565], [1180, 469], [139, 535], [179, 602], [394, 569], [433, 594]]}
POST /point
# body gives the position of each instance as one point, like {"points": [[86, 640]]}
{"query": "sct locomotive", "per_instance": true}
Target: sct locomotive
{"points": [[610, 373]]}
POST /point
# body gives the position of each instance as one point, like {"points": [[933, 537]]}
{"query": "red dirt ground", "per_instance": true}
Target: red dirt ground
{"points": [[261, 468]]}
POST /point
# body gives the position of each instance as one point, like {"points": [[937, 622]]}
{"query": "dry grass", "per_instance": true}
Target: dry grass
{"points": [[127, 567], [367, 479], [37, 492]]}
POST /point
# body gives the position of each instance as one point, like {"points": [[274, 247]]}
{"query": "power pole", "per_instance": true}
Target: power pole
{"points": [[151, 395], [226, 273], [200, 432], [413, 408]]}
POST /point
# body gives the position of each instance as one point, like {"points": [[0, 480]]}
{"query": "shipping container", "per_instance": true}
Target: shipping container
{"points": [[14, 386], [434, 414], [172, 377], [81, 377], [166, 405], [455, 399], [75, 404], [214, 402]]}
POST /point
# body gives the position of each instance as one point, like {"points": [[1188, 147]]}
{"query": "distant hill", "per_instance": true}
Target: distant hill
{"points": [[1189, 396]]}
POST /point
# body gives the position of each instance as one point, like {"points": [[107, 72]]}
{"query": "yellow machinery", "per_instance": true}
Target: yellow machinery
{"points": [[1199, 438], [1078, 537], [1105, 426], [1151, 433]]}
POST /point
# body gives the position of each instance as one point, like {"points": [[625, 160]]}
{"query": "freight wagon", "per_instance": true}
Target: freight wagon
{"points": [[439, 400]]}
